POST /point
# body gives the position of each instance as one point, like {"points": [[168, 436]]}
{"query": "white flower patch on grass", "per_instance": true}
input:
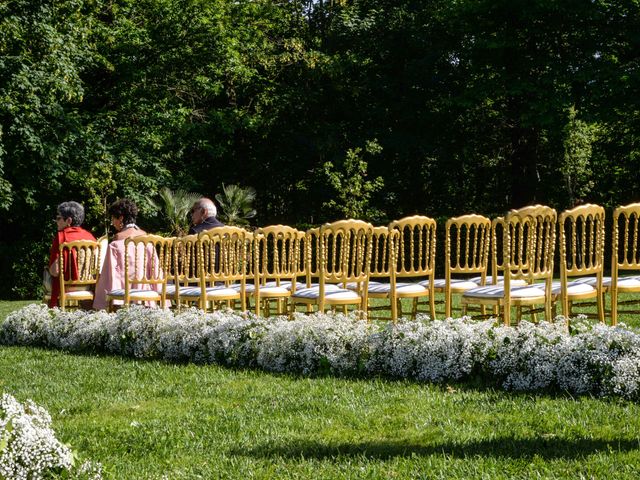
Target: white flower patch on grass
{"points": [[28, 445], [589, 359]]}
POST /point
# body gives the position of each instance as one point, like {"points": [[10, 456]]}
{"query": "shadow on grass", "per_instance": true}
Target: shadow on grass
{"points": [[545, 448]]}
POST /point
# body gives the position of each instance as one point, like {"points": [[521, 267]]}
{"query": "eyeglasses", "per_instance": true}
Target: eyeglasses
{"points": [[194, 210]]}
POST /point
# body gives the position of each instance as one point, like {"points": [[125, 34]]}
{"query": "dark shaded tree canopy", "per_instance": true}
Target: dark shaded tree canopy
{"points": [[376, 108]]}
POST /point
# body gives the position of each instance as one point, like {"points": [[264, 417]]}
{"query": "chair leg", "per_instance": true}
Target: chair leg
{"points": [[600, 304], [394, 308], [506, 314], [614, 307]]}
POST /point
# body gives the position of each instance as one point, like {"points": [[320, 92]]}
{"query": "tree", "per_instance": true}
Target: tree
{"points": [[175, 207], [352, 190], [237, 204]]}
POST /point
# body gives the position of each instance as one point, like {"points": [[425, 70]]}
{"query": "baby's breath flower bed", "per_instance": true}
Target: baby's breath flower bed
{"points": [[29, 449], [591, 359]]}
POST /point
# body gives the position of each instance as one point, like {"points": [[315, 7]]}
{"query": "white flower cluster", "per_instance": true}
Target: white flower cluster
{"points": [[29, 449], [591, 359], [28, 446], [315, 344], [430, 351]]}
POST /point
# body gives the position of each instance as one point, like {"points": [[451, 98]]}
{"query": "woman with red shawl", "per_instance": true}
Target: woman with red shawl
{"points": [[69, 218]]}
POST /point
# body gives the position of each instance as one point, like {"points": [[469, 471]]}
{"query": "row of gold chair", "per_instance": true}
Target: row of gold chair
{"points": [[504, 263]]}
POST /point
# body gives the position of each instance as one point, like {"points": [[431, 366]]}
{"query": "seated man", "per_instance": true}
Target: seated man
{"points": [[68, 220], [203, 216]]}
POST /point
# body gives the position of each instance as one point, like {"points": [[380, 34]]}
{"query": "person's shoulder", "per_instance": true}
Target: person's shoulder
{"points": [[212, 222], [88, 235], [129, 233]]}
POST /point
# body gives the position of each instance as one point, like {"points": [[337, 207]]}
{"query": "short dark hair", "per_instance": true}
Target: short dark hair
{"points": [[124, 208], [72, 210]]}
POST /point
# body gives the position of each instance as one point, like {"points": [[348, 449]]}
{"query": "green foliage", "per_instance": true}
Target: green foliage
{"points": [[470, 103], [174, 208], [578, 146], [237, 204], [352, 191]]}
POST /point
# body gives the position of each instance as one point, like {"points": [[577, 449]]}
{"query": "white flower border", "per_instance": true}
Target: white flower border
{"points": [[592, 359]]}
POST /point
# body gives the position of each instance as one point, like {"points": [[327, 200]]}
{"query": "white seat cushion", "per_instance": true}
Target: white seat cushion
{"points": [[76, 294], [488, 279], [406, 288], [628, 282], [248, 287], [515, 282], [606, 281], [455, 284], [286, 284], [151, 294], [274, 290], [222, 291], [498, 292], [314, 292], [573, 288], [190, 291], [354, 285]]}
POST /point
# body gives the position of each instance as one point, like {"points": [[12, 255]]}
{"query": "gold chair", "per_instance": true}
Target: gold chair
{"points": [[528, 247], [625, 256], [468, 239], [416, 260], [581, 254], [384, 257], [344, 256], [184, 286], [223, 261], [497, 261], [79, 267], [147, 261], [276, 260]]}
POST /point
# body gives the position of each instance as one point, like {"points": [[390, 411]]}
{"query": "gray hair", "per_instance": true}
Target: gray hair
{"points": [[72, 210], [209, 206]]}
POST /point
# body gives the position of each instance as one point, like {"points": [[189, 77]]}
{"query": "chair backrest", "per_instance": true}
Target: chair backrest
{"points": [[185, 270], [104, 243], [417, 246], [468, 238], [79, 265], [384, 252], [625, 243], [222, 255], [345, 251], [529, 240], [277, 253], [148, 261], [581, 241], [311, 254]]}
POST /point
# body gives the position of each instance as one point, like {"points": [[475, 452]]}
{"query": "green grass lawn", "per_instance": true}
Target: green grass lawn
{"points": [[144, 419]]}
